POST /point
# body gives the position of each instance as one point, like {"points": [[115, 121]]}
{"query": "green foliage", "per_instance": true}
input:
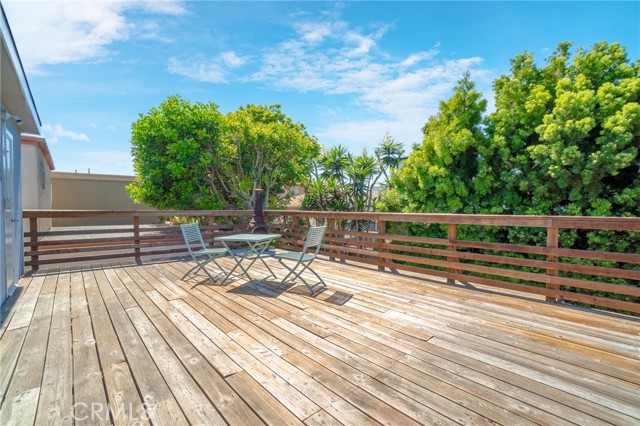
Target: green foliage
{"points": [[172, 146], [341, 181], [190, 156], [266, 150], [438, 175], [564, 140]]}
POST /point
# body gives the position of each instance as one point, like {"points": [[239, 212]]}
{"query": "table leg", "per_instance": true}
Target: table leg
{"points": [[256, 249], [238, 261]]}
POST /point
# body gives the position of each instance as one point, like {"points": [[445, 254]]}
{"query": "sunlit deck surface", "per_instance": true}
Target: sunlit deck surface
{"points": [[374, 348]]}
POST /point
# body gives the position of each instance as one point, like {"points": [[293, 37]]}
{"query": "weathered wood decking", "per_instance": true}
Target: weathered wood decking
{"points": [[135, 344]]}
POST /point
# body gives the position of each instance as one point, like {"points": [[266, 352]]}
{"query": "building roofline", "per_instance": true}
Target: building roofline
{"points": [[41, 142], [12, 50], [92, 176]]}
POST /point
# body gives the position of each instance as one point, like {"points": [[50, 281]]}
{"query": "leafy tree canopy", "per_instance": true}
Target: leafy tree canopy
{"points": [[563, 140], [190, 156], [438, 175]]}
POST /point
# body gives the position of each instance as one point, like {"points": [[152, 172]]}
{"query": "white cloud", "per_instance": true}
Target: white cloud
{"points": [[199, 70], [415, 58], [72, 31], [207, 70], [363, 44], [317, 32], [54, 133], [164, 7], [232, 59], [334, 59], [367, 133], [410, 87]]}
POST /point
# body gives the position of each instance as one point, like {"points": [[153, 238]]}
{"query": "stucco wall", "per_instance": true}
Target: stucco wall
{"points": [[82, 191], [36, 183]]}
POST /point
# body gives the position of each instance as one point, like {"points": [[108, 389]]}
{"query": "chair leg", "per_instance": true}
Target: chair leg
{"points": [[223, 272], [311, 288], [292, 271], [321, 281], [190, 270], [201, 266]]}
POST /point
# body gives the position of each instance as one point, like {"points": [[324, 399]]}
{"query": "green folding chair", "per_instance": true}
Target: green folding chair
{"points": [[193, 237], [303, 259]]}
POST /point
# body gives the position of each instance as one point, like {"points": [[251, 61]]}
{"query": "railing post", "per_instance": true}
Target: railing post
{"points": [[331, 225], [381, 231], [33, 229], [451, 235], [211, 221], [296, 224], [552, 242], [136, 238]]}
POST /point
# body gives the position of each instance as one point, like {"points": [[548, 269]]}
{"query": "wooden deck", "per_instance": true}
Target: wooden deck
{"points": [[136, 345]]}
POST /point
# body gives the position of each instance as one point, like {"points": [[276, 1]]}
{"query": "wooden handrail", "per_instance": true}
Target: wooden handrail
{"points": [[558, 273], [564, 222], [56, 214]]}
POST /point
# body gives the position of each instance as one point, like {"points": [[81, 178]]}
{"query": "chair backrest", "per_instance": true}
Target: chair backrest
{"points": [[314, 238], [191, 234]]}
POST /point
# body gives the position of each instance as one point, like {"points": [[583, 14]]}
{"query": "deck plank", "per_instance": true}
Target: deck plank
{"points": [[263, 403], [56, 397], [227, 401], [24, 312], [396, 349], [618, 405], [21, 399], [10, 347], [90, 399], [159, 402], [125, 403], [192, 400], [11, 305]]}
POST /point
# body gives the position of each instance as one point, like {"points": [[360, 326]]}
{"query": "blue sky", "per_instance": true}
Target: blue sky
{"points": [[349, 71]]}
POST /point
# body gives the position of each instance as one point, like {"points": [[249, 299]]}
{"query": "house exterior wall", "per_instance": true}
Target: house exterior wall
{"points": [[36, 178], [82, 191], [17, 108]]}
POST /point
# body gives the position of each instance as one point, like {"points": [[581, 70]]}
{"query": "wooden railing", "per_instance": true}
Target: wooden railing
{"points": [[600, 278], [119, 242]]}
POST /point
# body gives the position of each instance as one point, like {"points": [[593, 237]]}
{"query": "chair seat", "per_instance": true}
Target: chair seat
{"points": [[192, 236], [295, 255], [212, 251]]}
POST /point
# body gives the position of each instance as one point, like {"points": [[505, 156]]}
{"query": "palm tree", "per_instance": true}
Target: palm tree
{"points": [[334, 162], [389, 154]]}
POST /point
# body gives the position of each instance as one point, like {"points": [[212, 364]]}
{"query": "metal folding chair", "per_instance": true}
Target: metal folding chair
{"points": [[192, 237], [303, 259]]}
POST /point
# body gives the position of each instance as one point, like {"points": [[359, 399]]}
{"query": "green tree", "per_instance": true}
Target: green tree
{"points": [[189, 156], [438, 176], [389, 154], [334, 162], [343, 182], [173, 146], [266, 150], [564, 139]]}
